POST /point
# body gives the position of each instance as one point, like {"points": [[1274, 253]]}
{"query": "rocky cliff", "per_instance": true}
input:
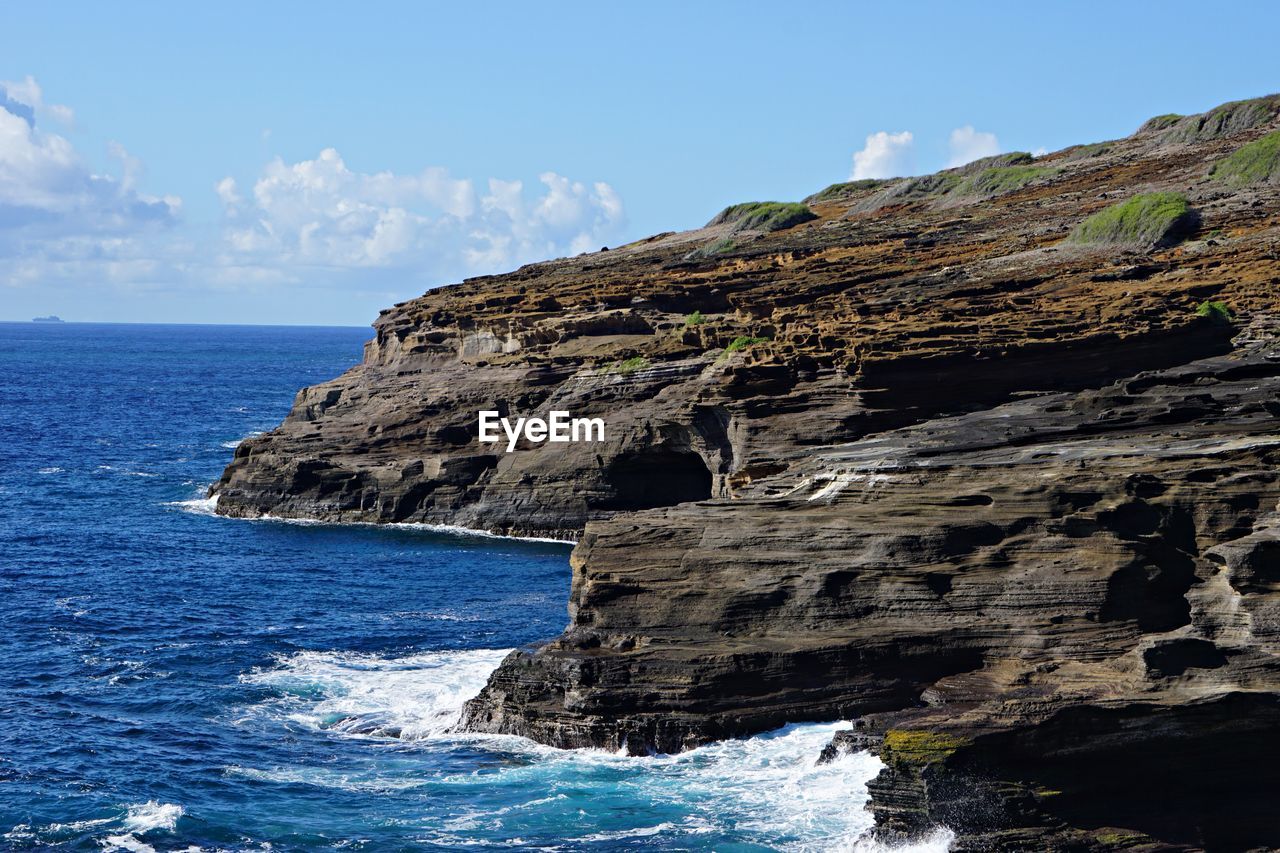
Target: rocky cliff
{"points": [[985, 461]]}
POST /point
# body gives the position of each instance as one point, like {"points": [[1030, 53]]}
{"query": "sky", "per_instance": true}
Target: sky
{"points": [[313, 163]]}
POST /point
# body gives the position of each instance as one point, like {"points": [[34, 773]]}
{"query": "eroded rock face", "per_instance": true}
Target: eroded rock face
{"points": [[1006, 502]]}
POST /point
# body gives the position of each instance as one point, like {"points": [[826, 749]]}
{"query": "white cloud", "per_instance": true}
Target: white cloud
{"points": [[886, 155], [227, 192], [967, 145], [428, 227], [313, 219], [53, 206]]}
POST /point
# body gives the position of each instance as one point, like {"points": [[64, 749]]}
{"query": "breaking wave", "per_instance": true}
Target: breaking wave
{"points": [[768, 789], [411, 698]]}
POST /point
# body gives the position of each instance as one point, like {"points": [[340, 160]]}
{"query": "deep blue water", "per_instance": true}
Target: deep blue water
{"points": [[172, 679]]}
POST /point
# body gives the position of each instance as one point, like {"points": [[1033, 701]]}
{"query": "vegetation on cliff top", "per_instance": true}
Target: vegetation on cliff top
{"points": [[1251, 164], [1086, 152], [1160, 122], [764, 215], [989, 176], [1224, 120], [848, 188], [1001, 179], [1149, 220]]}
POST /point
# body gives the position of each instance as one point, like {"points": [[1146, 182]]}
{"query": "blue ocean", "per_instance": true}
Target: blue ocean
{"points": [[174, 680]]}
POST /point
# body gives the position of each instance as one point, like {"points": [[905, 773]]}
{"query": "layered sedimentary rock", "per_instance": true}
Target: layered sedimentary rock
{"points": [[922, 458]]}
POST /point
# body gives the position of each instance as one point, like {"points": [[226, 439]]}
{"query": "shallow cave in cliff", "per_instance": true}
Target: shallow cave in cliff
{"points": [[656, 477]]}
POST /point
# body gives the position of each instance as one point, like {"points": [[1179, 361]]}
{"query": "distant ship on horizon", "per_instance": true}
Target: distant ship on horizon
{"points": [[52, 318]]}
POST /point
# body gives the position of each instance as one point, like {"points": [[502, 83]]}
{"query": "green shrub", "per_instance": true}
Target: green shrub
{"points": [[1218, 312], [1224, 120], [743, 341], [764, 215], [996, 161], [1160, 122], [1251, 164], [1150, 220], [1001, 179], [985, 177], [1087, 152], [695, 319], [847, 188], [923, 187], [709, 250]]}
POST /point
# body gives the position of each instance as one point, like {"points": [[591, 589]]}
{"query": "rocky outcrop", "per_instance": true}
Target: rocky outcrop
{"points": [[1007, 501]]}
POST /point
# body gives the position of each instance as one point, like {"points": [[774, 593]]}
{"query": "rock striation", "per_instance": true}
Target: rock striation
{"points": [[1007, 500]]}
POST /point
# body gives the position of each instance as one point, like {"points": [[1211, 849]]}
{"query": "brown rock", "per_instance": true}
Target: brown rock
{"points": [[1006, 501]]}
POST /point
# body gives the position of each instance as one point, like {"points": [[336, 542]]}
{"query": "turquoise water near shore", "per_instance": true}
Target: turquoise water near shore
{"points": [[170, 679]]}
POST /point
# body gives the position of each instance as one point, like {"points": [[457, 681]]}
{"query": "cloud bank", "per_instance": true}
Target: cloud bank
{"points": [[320, 214], [310, 222], [54, 209]]}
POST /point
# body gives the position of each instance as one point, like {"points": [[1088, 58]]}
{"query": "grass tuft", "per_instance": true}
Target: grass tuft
{"points": [[996, 161], [1218, 312], [742, 342], [1088, 152], [848, 188], [1150, 220], [694, 319], [1002, 179], [764, 215], [1224, 120], [1160, 122], [1251, 164], [624, 367]]}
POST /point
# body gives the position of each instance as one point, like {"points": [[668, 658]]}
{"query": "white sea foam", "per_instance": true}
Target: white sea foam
{"points": [[769, 789], [209, 505], [360, 695], [126, 842], [140, 819], [51, 470], [152, 815], [450, 529], [323, 778], [232, 445], [197, 506]]}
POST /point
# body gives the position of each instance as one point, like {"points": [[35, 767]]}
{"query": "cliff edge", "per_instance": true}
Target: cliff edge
{"points": [[984, 461]]}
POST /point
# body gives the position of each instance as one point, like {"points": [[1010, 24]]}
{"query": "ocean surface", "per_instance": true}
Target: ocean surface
{"points": [[172, 680]]}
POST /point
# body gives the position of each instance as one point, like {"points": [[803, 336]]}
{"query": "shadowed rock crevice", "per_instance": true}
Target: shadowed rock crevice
{"points": [[657, 477]]}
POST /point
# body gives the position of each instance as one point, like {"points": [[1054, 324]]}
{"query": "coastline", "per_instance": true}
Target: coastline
{"points": [[208, 506]]}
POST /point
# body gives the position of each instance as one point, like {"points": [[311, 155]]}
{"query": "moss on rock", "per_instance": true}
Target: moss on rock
{"points": [[836, 192], [919, 747], [1225, 120], [1001, 179], [764, 215], [1255, 163], [1150, 220]]}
